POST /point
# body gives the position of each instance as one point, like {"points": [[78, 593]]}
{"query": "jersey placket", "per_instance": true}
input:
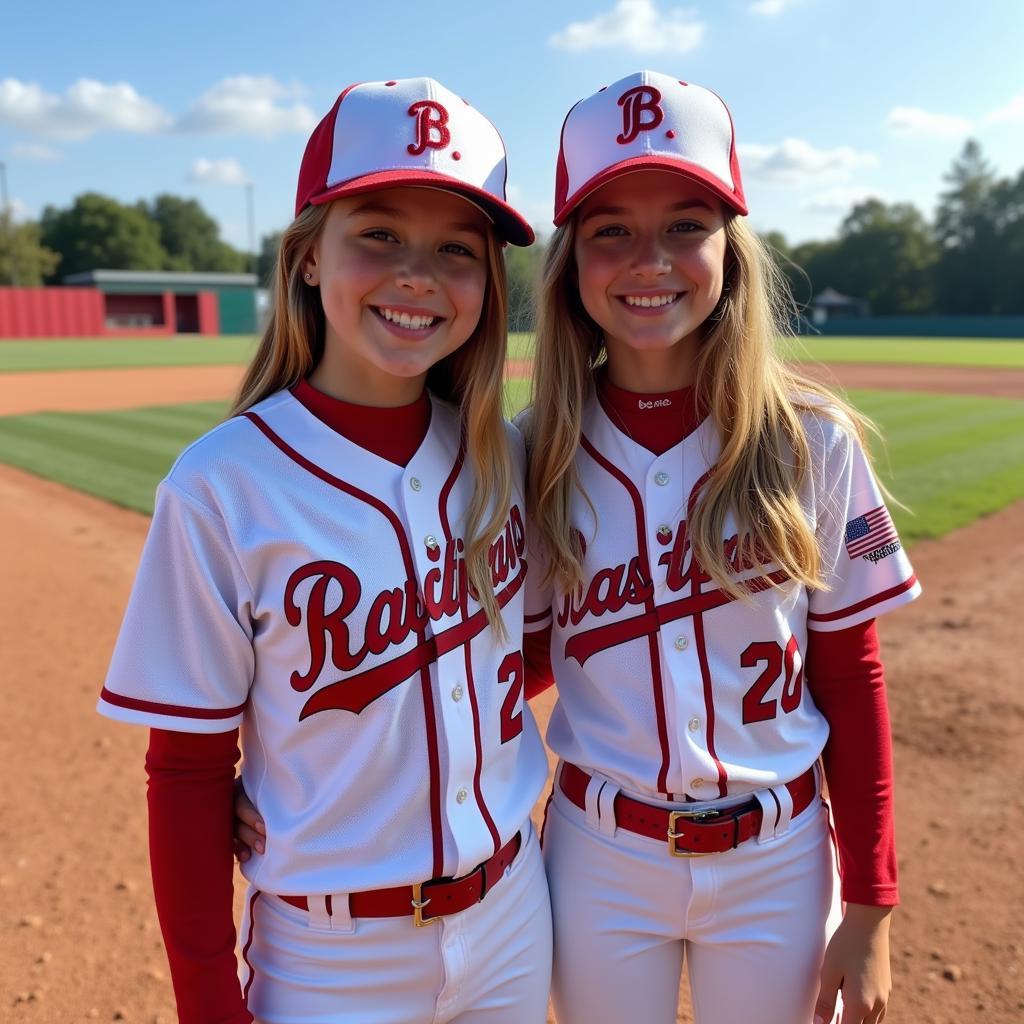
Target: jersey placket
{"points": [[667, 489], [451, 713]]}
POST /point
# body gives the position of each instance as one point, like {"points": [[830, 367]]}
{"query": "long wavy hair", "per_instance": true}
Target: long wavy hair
{"points": [[470, 378], [753, 397]]}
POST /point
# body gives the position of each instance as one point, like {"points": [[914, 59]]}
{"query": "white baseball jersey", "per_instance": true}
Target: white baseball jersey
{"points": [[666, 685], [301, 587]]}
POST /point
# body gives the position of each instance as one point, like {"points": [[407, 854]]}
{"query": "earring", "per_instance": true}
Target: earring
{"points": [[308, 276]]}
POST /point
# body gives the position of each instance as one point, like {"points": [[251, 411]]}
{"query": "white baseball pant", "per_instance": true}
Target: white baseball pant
{"points": [[752, 922], [490, 964]]}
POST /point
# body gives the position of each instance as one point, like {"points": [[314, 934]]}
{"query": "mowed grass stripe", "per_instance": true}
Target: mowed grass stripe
{"points": [[949, 458], [117, 456], [42, 354], [36, 354]]}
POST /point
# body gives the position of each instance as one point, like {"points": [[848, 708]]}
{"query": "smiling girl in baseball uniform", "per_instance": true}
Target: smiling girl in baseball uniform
{"points": [[717, 549], [337, 573]]}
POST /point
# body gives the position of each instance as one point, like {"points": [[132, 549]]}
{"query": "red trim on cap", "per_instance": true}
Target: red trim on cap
{"points": [[561, 170], [316, 160], [511, 226], [734, 157], [639, 163]]}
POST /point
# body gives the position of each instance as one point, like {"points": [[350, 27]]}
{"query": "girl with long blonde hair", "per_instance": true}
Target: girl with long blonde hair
{"points": [[335, 576], [716, 550]]}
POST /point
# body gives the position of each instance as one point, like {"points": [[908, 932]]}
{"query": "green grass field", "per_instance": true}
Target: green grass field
{"points": [[950, 459], [20, 356], [35, 354]]}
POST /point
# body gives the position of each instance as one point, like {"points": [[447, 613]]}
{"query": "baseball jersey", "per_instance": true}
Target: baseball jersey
{"points": [[667, 685], [314, 594]]}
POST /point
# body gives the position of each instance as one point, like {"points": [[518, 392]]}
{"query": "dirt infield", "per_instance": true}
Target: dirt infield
{"points": [[95, 390], [78, 936]]}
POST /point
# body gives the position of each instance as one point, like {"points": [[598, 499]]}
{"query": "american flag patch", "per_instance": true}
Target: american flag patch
{"points": [[869, 532]]}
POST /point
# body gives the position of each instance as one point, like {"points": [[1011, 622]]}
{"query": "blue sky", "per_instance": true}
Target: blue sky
{"points": [[833, 100]]}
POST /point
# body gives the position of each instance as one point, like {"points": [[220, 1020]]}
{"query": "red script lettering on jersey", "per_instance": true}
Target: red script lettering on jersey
{"points": [[394, 615]]}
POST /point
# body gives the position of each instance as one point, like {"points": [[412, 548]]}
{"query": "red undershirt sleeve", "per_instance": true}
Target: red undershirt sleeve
{"points": [[191, 816], [846, 678], [537, 659]]}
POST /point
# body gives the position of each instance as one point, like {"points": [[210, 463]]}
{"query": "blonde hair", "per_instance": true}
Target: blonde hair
{"points": [[753, 397], [471, 378]]}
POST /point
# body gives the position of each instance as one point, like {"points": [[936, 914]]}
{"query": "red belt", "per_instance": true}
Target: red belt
{"points": [[444, 896], [688, 833]]}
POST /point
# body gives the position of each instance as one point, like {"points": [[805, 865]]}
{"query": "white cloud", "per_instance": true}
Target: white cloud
{"points": [[19, 210], [634, 25], [85, 108], [1008, 112], [771, 8], [248, 105], [227, 171], [914, 123], [33, 152], [840, 199], [795, 161]]}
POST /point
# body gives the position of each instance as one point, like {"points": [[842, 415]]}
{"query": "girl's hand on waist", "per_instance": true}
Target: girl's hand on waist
{"points": [[250, 832], [857, 964]]}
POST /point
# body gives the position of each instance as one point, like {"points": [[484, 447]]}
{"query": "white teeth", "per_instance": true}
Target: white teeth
{"points": [[412, 322], [646, 301]]}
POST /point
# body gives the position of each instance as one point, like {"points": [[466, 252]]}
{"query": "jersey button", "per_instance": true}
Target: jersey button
{"points": [[664, 533], [431, 542], [461, 796], [457, 693], [682, 643], [694, 724], [661, 479], [415, 484]]}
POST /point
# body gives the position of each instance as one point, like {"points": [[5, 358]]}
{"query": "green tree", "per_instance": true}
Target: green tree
{"points": [[191, 237], [965, 223], [1008, 209], [267, 259], [24, 261], [523, 267], [99, 233], [887, 255]]}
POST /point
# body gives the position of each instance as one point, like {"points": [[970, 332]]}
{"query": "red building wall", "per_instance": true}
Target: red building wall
{"points": [[51, 312], [83, 312]]}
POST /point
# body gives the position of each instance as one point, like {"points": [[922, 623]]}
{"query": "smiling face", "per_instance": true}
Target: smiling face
{"points": [[402, 274], [650, 255]]}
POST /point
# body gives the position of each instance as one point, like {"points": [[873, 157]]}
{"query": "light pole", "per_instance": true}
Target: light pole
{"points": [[252, 225], [5, 213]]}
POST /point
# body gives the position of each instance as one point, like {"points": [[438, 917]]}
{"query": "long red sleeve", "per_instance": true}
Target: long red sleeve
{"points": [[846, 678], [191, 815], [537, 658]]}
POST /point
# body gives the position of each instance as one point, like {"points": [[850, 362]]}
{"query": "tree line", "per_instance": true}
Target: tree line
{"points": [[97, 232], [968, 260]]}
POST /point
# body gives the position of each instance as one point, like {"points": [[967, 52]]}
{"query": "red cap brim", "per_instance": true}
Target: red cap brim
{"points": [[510, 226], [733, 199]]}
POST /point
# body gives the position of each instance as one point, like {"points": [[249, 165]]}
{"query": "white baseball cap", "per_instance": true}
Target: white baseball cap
{"points": [[408, 132], [647, 121]]}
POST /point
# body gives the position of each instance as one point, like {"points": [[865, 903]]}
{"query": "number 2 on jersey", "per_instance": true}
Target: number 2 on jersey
{"points": [[778, 662], [511, 671]]}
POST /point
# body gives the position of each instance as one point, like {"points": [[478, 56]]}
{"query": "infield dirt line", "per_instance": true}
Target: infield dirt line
{"points": [[101, 390]]}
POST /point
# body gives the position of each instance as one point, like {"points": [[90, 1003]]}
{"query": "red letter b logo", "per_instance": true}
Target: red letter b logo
{"points": [[635, 102], [431, 118]]}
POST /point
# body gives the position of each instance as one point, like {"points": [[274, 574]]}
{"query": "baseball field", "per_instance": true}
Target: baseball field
{"points": [[88, 427]]}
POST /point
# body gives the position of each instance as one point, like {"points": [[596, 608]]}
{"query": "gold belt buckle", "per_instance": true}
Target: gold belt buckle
{"points": [[673, 835], [418, 905]]}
